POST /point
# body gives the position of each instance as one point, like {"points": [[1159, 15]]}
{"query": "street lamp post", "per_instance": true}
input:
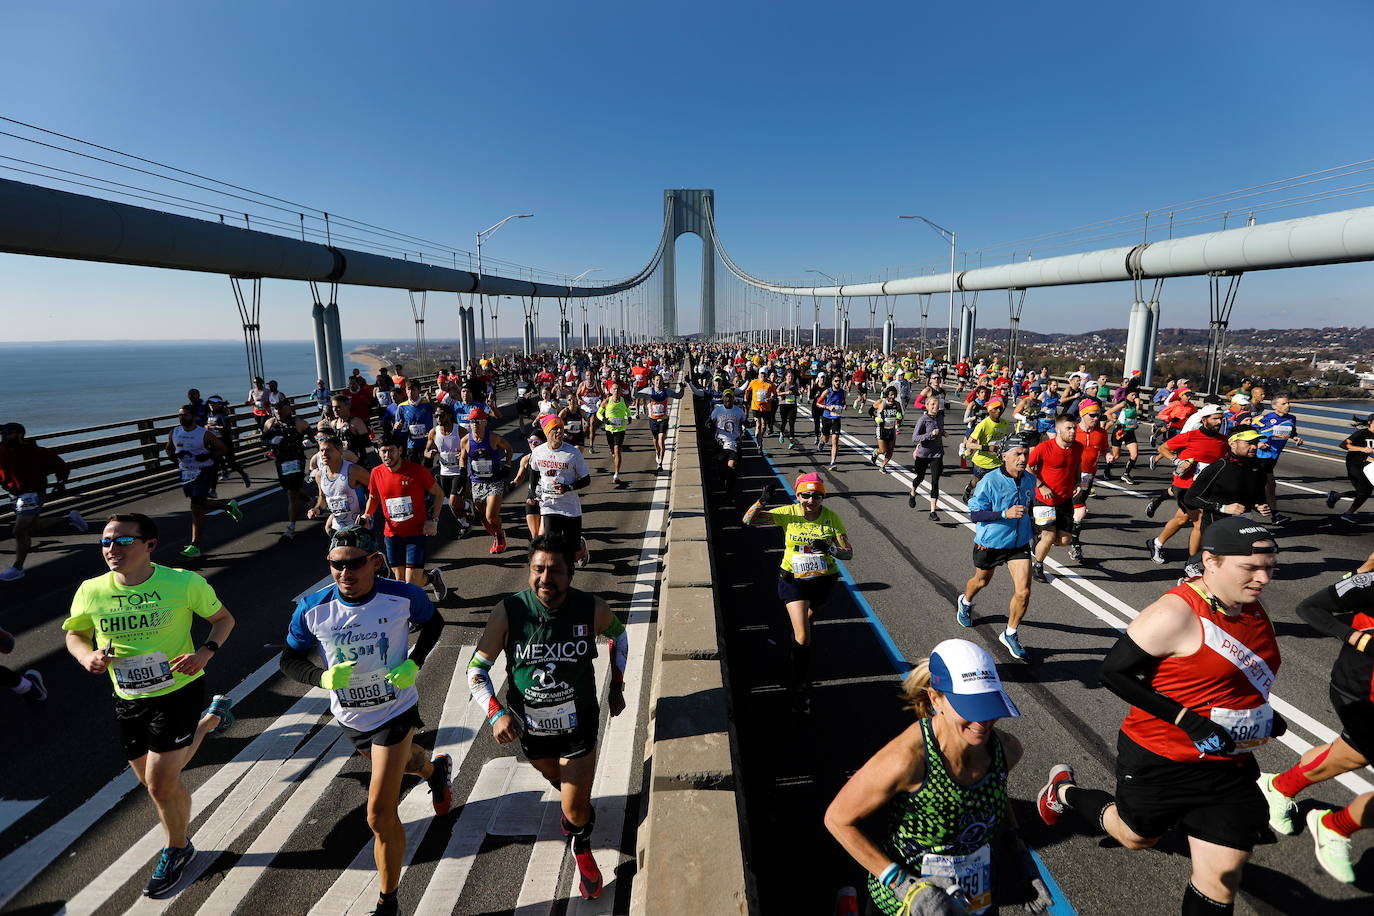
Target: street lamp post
{"points": [[484, 234], [945, 233]]}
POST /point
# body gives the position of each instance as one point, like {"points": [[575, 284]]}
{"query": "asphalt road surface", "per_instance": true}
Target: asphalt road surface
{"points": [[905, 574], [280, 801]]}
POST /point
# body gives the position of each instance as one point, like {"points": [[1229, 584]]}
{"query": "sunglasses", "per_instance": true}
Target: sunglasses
{"points": [[354, 564], [811, 495], [124, 540]]}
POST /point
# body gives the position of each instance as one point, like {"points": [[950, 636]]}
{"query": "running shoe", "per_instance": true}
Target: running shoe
{"points": [[1128, 480], [911, 499], [1156, 551], [38, 690], [1333, 850], [247, 481], [234, 511], [1047, 801], [222, 706], [589, 874], [934, 516], [873, 459], [1350, 518], [1038, 572], [830, 467], [1332, 497], [13, 574], [223, 476], [1013, 643], [76, 521], [968, 492], [171, 865], [1076, 552], [1152, 506], [963, 611], [386, 908], [1107, 472], [441, 783], [1154, 460], [1279, 518], [190, 551], [1283, 811], [801, 701], [436, 579]]}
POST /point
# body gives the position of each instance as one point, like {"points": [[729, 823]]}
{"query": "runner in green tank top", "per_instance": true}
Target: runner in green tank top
{"points": [[943, 784], [548, 632]]}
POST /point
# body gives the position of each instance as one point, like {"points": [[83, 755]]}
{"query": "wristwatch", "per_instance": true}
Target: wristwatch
{"points": [[211, 645]]}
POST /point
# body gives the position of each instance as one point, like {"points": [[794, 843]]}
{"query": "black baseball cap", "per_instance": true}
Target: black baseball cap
{"points": [[354, 536], [1237, 537]]}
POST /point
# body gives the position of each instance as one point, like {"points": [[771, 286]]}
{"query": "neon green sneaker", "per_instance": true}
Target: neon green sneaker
{"points": [[1333, 850], [1283, 810], [234, 511], [190, 551]]}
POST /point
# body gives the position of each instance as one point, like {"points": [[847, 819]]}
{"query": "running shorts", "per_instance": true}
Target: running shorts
{"points": [[658, 427], [1178, 498], [481, 489], [814, 590], [993, 557], [887, 435], [830, 426], [1121, 435], [569, 527], [390, 733], [198, 490], [291, 481], [451, 484], [1063, 516], [405, 551], [1215, 801], [1357, 720], [577, 743], [615, 439], [162, 723]]}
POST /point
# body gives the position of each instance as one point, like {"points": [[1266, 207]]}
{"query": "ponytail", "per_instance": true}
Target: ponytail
{"points": [[917, 692]]}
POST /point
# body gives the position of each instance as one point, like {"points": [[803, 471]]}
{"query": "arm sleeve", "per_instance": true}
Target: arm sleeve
{"points": [[619, 649], [1320, 610], [1123, 673], [1200, 495], [299, 665], [479, 684]]}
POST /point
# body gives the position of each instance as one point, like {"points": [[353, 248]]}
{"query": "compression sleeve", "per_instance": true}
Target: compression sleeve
{"points": [[1319, 611], [582, 483], [1124, 672], [1197, 496], [620, 649], [298, 665], [430, 631], [479, 685]]}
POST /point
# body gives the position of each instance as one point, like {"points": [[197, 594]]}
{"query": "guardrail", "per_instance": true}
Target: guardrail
{"points": [[132, 454], [690, 847]]}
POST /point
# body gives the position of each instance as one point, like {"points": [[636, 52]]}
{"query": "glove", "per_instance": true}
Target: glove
{"points": [[1279, 727], [403, 675], [927, 896], [766, 494], [1043, 898], [820, 545], [337, 677], [1207, 736]]}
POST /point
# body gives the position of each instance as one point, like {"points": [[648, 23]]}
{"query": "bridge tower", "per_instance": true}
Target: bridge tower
{"points": [[687, 210]]}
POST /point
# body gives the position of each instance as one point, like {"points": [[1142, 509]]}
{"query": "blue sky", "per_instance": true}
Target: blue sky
{"points": [[815, 123]]}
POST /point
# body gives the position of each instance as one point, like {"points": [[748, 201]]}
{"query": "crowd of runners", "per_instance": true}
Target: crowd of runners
{"points": [[386, 459]]}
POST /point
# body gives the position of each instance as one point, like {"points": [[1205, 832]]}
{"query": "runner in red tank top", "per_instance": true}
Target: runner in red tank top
{"points": [[1089, 434], [1197, 667], [1057, 464]]}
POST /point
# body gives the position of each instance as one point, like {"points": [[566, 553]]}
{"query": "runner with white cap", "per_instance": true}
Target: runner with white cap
{"points": [[943, 782], [1190, 452]]}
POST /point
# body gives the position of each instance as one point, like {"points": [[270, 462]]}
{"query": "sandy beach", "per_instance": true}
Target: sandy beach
{"points": [[367, 358]]}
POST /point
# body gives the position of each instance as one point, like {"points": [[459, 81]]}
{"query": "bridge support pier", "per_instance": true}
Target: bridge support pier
{"points": [[338, 376], [968, 325], [321, 344], [466, 350], [889, 336], [816, 333], [1142, 332], [529, 336]]}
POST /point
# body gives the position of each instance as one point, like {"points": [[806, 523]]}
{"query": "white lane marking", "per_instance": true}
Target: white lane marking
{"points": [[269, 778], [1294, 715], [12, 810], [285, 733], [521, 809], [248, 870], [25, 863], [350, 891], [247, 499], [446, 885], [540, 885]]}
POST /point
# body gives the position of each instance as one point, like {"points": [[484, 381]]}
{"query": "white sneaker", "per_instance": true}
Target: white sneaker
{"points": [[78, 522], [1283, 810]]}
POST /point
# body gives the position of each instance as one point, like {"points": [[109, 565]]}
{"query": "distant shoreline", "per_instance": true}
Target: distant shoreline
{"points": [[365, 356]]}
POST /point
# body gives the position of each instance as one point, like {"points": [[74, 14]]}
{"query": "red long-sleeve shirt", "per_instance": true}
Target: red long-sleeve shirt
{"points": [[25, 468]]}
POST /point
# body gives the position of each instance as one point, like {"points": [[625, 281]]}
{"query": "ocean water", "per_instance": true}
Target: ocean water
{"points": [[61, 386]]}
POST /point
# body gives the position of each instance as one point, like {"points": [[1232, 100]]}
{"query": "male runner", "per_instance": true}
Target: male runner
{"points": [[415, 418], [401, 489], [999, 506], [286, 436], [1089, 434], [445, 443], [831, 403], [24, 470], [350, 638], [1278, 428], [1233, 484], [561, 471], [1352, 689], [195, 451], [656, 398], [340, 484], [1190, 452], [979, 445], [1197, 667], [486, 459], [762, 393], [220, 422], [614, 415], [134, 623], [727, 422], [1057, 464], [548, 633]]}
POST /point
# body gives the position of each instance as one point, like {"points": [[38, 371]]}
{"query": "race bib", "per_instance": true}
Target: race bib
{"points": [[789, 399], [889, 422], [29, 502], [973, 873], [1249, 727], [418, 431], [290, 467], [366, 689], [552, 720], [1043, 515], [765, 396], [573, 427], [1283, 431], [399, 508], [188, 475], [448, 459], [140, 674], [338, 505], [481, 467], [806, 565], [658, 410]]}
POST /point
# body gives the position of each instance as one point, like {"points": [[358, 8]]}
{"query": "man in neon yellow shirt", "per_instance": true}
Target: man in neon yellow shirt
{"points": [[979, 445], [134, 624]]}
